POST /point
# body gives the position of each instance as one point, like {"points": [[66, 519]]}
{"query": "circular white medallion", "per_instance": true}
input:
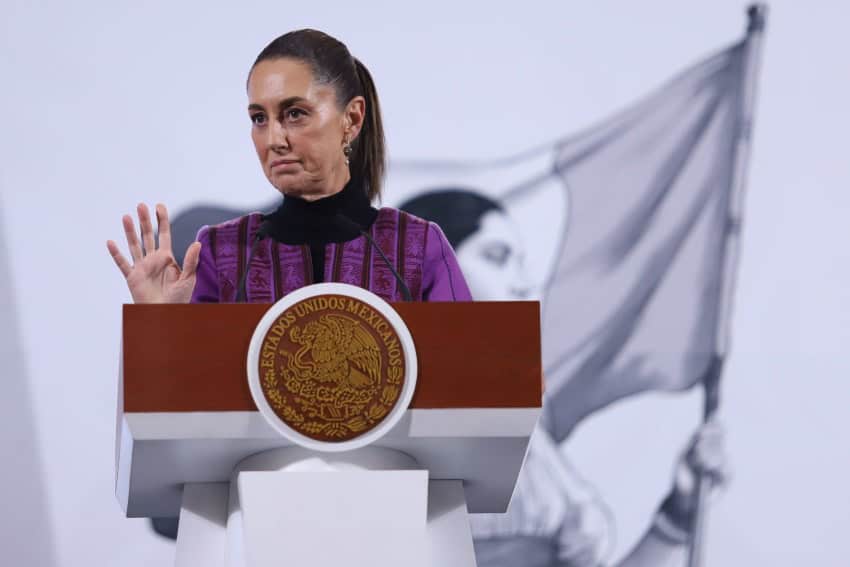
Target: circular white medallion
{"points": [[332, 367]]}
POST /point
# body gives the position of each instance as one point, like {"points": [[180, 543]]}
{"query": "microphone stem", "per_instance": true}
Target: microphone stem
{"points": [[405, 292]]}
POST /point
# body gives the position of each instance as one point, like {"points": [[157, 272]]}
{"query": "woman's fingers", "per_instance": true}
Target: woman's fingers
{"points": [[157, 263], [119, 258], [132, 239], [164, 227], [190, 261], [147, 228], [159, 260]]}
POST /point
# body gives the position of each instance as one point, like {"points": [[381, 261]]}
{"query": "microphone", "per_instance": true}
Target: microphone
{"points": [[262, 233], [350, 224]]}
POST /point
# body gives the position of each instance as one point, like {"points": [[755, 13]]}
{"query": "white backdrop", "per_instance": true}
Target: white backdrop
{"points": [[104, 106]]}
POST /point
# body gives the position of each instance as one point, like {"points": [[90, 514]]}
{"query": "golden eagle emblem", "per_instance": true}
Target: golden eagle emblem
{"points": [[335, 349], [332, 376]]}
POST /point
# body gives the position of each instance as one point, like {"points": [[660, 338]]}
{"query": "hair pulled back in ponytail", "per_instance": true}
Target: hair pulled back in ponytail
{"points": [[369, 154], [333, 64]]}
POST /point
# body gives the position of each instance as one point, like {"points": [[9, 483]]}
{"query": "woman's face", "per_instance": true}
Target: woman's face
{"points": [[492, 260], [299, 130]]}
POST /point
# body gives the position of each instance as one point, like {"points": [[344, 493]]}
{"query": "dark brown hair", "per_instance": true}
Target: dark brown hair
{"points": [[332, 64]]}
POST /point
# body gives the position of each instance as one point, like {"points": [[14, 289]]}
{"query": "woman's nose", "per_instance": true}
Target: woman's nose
{"points": [[520, 291], [522, 286], [278, 138]]}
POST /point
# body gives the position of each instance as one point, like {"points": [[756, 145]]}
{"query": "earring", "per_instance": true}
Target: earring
{"points": [[346, 150]]}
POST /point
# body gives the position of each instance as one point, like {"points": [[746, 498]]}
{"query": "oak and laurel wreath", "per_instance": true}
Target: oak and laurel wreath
{"points": [[309, 397]]}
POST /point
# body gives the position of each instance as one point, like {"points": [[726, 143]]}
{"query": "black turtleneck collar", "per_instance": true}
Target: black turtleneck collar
{"points": [[298, 221]]}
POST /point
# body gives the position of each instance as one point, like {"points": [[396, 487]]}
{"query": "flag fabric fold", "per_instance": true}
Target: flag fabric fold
{"points": [[634, 299]]}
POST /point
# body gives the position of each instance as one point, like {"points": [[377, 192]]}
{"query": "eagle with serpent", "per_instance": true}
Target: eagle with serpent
{"points": [[331, 382]]}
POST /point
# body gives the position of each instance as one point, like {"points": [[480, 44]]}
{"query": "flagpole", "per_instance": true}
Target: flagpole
{"points": [[756, 21]]}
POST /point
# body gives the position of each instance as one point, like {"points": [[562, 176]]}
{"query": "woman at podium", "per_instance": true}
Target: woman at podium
{"points": [[317, 129]]}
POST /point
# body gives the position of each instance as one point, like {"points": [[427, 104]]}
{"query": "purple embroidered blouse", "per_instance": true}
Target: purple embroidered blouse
{"points": [[418, 250]]}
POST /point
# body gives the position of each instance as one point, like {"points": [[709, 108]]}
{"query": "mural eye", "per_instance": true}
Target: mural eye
{"points": [[497, 253]]}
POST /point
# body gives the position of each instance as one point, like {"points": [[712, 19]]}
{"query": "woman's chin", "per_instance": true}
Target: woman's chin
{"points": [[290, 187]]}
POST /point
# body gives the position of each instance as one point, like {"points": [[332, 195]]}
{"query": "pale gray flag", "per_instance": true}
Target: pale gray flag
{"points": [[634, 299]]}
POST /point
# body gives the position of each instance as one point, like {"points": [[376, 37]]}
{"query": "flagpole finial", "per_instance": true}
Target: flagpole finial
{"points": [[756, 17]]}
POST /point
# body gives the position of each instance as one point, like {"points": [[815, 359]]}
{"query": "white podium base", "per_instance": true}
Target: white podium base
{"points": [[371, 507]]}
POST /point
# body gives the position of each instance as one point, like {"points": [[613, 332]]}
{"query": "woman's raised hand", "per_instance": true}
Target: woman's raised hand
{"points": [[154, 276]]}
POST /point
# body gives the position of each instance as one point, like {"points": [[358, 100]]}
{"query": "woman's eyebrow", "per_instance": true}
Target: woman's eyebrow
{"points": [[285, 103], [291, 101]]}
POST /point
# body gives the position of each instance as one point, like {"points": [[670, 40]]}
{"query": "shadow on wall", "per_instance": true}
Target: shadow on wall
{"points": [[186, 224], [25, 535]]}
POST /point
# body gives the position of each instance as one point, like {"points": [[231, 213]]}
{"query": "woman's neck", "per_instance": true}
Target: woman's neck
{"points": [[302, 221]]}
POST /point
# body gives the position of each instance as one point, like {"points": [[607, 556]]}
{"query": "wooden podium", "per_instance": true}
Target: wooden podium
{"points": [[190, 441]]}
